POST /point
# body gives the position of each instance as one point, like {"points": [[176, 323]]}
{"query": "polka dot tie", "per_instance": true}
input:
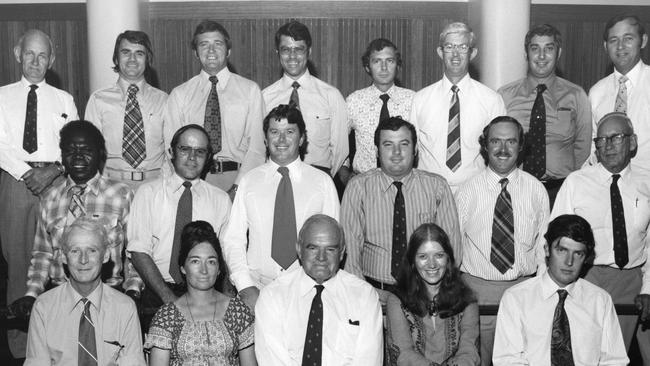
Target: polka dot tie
{"points": [[618, 223], [313, 351], [212, 118], [30, 142], [399, 231], [561, 353], [502, 255], [535, 160]]}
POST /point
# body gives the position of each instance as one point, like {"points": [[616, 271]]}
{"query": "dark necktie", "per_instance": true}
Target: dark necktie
{"points": [[30, 141], [87, 349], [133, 143], [313, 350], [621, 96], [399, 231], [618, 223], [294, 100], [283, 241], [384, 107], [535, 162], [77, 207], [183, 217], [453, 132], [561, 335], [502, 254], [212, 119]]}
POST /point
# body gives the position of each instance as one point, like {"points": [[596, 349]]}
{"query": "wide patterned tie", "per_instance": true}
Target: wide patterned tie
{"points": [[183, 217], [77, 207], [618, 223], [30, 141], [399, 231], [561, 354], [283, 241], [502, 254], [535, 162], [453, 132], [313, 350], [621, 96], [294, 100], [133, 144], [87, 349], [384, 107], [212, 119]]}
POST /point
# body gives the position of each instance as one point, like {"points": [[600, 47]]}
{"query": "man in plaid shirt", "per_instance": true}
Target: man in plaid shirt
{"points": [[85, 192]]}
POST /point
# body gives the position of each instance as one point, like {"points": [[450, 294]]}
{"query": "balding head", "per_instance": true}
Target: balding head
{"points": [[320, 247], [615, 141], [35, 52]]}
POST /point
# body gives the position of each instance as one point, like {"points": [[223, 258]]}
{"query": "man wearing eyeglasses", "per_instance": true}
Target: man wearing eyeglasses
{"points": [[450, 114], [554, 112], [322, 105], [615, 198], [161, 209]]}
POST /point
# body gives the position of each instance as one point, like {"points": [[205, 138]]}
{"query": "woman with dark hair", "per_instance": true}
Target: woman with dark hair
{"points": [[433, 320], [203, 326]]}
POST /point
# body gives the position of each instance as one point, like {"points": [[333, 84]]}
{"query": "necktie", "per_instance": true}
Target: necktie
{"points": [[561, 335], [294, 100], [30, 142], [618, 223], [87, 350], [313, 350], [453, 132], [283, 241], [212, 119], [399, 230], [535, 162], [384, 107], [502, 254], [133, 144], [183, 217], [621, 96], [77, 207]]}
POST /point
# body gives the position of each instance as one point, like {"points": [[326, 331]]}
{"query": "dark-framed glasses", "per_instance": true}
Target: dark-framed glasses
{"points": [[287, 51], [461, 48], [200, 152], [613, 139]]}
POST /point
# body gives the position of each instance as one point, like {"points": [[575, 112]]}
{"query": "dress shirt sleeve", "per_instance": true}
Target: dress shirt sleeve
{"points": [[540, 230], [91, 113], [352, 219], [582, 143], [132, 280], [399, 335], [269, 346], [612, 348], [139, 234], [234, 241], [462, 207], [173, 118], [370, 344], [331, 203], [42, 253], [254, 134], [467, 353], [70, 108], [38, 352], [9, 159], [447, 219], [509, 347], [339, 131], [131, 339]]}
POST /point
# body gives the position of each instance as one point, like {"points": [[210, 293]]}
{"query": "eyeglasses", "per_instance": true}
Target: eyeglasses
{"points": [[613, 139], [299, 51], [187, 150], [460, 48]]}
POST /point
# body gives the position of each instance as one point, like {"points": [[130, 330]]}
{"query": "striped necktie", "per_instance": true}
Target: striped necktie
{"points": [[453, 132], [87, 349], [133, 144], [502, 254], [77, 207]]}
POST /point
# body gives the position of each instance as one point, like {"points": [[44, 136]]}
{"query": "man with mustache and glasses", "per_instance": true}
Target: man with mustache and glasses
{"points": [[503, 215], [554, 112]]}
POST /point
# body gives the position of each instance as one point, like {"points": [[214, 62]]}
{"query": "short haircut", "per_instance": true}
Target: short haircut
{"points": [[210, 26], [457, 27], [87, 224], [483, 139], [34, 32], [198, 232], [294, 117], [394, 124], [617, 115], [634, 20], [137, 37], [295, 30], [575, 228], [324, 219], [172, 146], [543, 30], [377, 45], [89, 130]]}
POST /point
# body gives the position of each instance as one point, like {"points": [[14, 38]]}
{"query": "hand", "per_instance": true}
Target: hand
{"points": [[22, 307], [38, 179], [249, 296], [232, 192], [642, 303]]}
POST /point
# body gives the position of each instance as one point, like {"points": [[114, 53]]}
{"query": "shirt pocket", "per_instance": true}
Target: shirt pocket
{"points": [[318, 128], [641, 215], [565, 127], [346, 341]]}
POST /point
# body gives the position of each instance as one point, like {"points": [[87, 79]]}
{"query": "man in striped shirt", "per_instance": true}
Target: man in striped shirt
{"points": [[371, 207], [503, 212]]}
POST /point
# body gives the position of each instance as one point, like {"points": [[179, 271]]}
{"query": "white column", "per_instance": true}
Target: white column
{"points": [[501, 26], [106, 19]]}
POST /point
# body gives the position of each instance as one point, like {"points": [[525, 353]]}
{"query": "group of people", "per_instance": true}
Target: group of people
{"points": [[209, 219]]}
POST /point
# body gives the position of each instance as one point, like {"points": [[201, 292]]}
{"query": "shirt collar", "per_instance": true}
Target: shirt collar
{"points": [[294, 168], [223, 76], [605, 176], [531, 83], [26, 84], [463, 85], [386, 181], [175, 182], [493, 178], [73, 298], [306, 284], [549, 287], [305, 81], [91, 186], [124, 86], [376, 92], [632, 75]]}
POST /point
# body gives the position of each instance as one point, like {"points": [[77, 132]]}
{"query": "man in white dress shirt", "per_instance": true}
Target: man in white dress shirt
{"points": [[558, 318], [316, 313], [273, 202], [451, 113]]}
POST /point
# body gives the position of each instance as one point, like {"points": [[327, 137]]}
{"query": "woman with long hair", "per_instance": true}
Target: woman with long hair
{"points": [[203, 326], [432, 318]]}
